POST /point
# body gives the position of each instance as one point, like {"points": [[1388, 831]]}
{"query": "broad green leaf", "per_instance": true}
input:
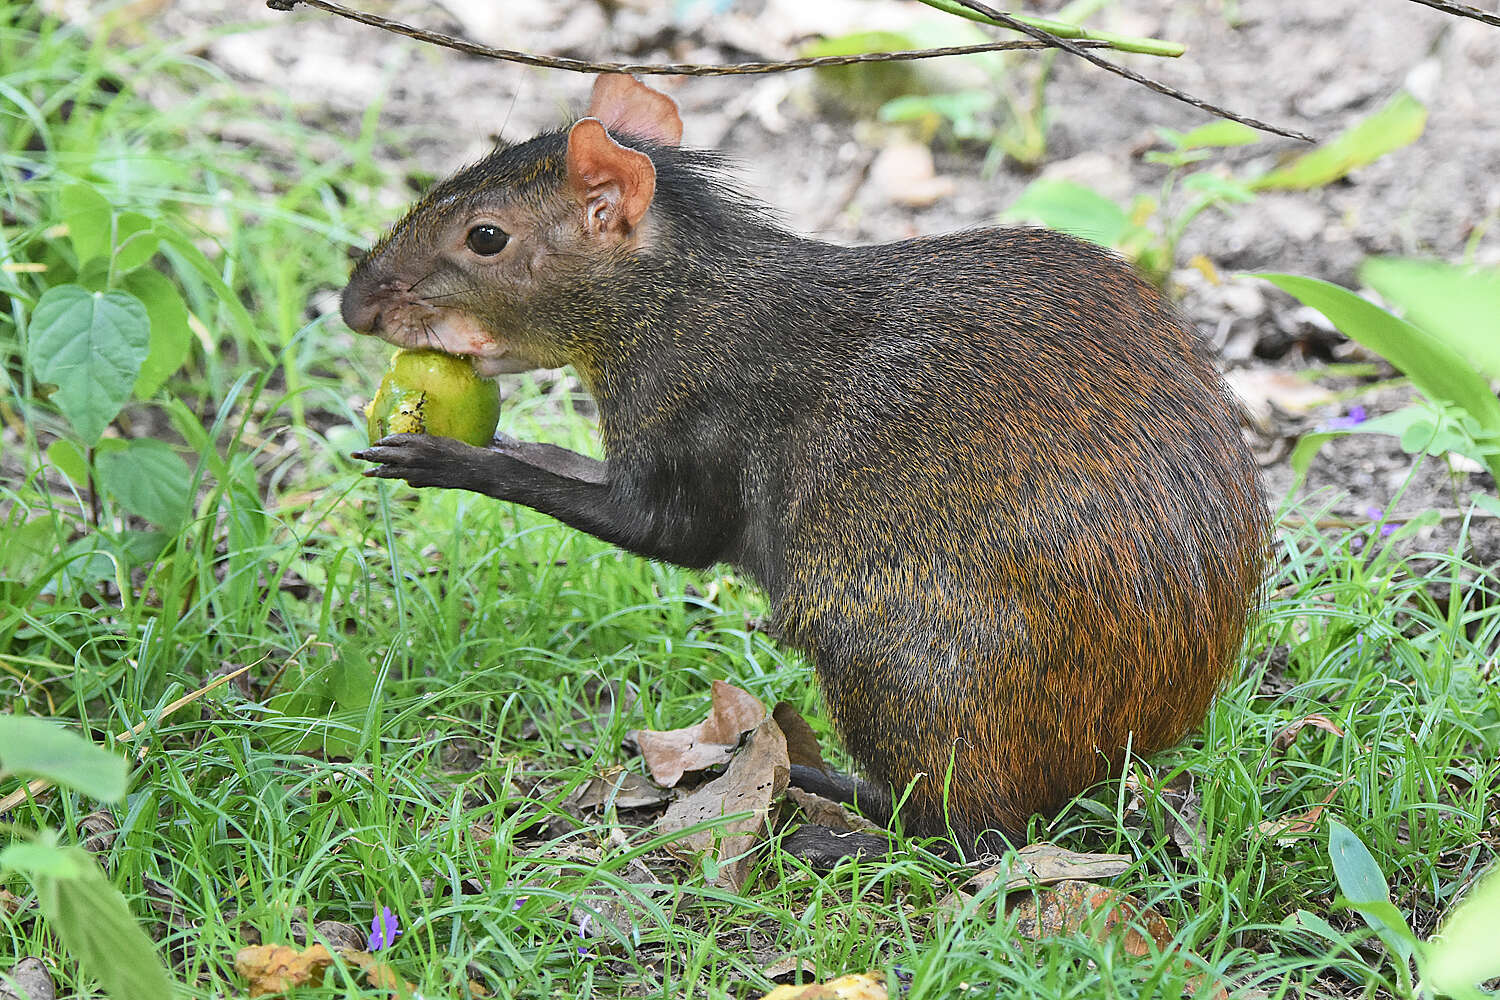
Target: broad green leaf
{"points": [[1214, 135], [1457, 305], [170, 335], [99, 932], [1070, 208], [69, 460], [40, 748], [1463, 953], [960, 110], [1363, 883], [91, 346], [135, 242], [1486, 502], [1396, 124], [1434, 367], [26, 547], [39, 861], [87, 215], [150, 480]]}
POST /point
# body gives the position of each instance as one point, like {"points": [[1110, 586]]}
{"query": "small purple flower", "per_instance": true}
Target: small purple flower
{"points": [[1375, 514], [384, 930], [1353, 418]]}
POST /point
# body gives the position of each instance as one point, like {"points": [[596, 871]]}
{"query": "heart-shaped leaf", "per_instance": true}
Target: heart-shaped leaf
{"points": [[91, 346]]}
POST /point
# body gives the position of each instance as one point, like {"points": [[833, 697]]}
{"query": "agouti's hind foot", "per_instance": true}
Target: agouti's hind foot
{"points": [[822, 847]]}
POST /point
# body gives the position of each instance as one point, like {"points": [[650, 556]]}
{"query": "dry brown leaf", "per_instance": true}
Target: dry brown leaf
{"points": [[1264, 390], [1044, 864], [1288, 828], [826, 812], [801, 742], [32, 981], [672, 753], [786, 965], [1184, 816], [342, 936], [1288, 734], [10, 902], [756, 777], [378, 973], [1070, 907], [861, 986], [276, 968], [626, 789]]}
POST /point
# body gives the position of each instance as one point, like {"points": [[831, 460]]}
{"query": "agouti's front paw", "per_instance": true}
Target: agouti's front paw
{"points": [[423, 460]]}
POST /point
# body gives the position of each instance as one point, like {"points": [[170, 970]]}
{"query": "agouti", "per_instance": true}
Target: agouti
{"points": [[989, 481]]}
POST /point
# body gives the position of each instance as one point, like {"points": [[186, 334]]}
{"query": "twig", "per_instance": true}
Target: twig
{"points": [[1463, 10], [660, 69], [1006, 21], [1042, 38]]}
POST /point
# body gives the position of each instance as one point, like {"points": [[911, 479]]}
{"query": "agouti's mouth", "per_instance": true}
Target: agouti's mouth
{"points": [[419, 325]]}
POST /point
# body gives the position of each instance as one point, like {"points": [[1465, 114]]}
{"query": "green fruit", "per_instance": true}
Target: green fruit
{"points": [[429, 392]]}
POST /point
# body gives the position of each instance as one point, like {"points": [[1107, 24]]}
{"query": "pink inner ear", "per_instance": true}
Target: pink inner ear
{"points": [[600, 167], [624, 104]]}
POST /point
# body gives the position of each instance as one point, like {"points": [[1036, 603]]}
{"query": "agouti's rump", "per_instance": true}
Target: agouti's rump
{"points": [[989, 481]]}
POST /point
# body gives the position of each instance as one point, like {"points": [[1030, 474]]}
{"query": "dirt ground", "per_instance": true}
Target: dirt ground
{"points": [[1312, 67]]}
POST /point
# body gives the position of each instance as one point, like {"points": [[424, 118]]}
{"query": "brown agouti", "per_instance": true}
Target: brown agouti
{"points": [[989, 481]]}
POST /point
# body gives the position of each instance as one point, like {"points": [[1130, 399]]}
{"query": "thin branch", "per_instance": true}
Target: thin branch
{"points": [[1463, 10], [659, 69], [1006, 21], [1042, 38]]}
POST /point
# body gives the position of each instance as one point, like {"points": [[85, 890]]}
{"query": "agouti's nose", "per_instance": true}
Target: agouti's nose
{"points": [[359, 306]]}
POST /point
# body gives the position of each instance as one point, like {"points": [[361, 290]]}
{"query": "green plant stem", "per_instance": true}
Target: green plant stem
{"points": [[1062, 29]]}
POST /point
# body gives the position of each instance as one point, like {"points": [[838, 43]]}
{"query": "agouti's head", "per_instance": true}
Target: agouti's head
{"points": [[487, 251]]}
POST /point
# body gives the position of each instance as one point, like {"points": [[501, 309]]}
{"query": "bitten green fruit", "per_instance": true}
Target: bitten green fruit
{"points": [[429, 392]]}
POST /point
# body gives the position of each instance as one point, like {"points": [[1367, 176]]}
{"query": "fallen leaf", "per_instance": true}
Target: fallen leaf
{"points": [[31, 979], [10, 902], [826, 812], [1263, 390], [276, 968], [1183, 816], [1043, 864], [340, 936], [756, 777], [1288, 734], [625, 789], [1070, 907], [786, 965], [672, 753], [801, 742], [1288, 828], [377, 972], [100, 830], [861, 986]]}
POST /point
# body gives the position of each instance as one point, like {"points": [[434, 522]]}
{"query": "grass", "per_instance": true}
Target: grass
{"points": [[425, 693]]}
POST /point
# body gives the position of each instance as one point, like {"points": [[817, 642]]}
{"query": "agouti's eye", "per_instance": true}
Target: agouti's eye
{"points": [[487, 240]]}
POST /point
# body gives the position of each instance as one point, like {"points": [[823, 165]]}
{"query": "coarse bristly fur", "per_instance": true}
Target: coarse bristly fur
{"points": [[989, 481]]}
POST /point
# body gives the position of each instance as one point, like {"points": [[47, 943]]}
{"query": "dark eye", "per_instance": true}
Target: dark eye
{"points": [[487, 240]]}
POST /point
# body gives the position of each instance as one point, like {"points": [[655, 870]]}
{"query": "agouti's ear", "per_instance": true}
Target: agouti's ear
{"points": [[613, 183], [624, 104]]}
